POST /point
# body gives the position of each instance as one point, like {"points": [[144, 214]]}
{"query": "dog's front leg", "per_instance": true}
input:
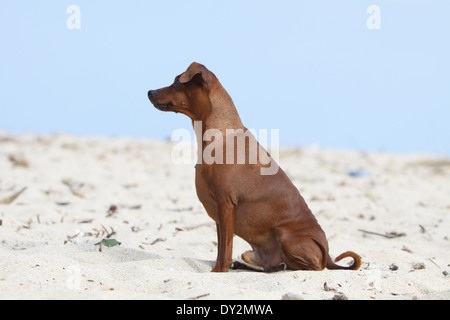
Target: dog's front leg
{"points": [[225, 231]]}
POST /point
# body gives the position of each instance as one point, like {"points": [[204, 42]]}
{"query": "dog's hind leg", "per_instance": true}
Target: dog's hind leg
{"points": [[303, 253]]}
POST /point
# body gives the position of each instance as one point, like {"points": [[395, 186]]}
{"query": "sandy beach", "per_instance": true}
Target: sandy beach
{"points": [[61, 195]]}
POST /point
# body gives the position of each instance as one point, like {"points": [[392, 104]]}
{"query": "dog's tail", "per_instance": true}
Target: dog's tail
{"points": [[356, 261]]}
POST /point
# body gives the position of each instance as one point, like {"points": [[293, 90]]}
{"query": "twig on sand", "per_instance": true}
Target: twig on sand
{"points": [[207, 224], [72, 187], [13, 197], [390, 235], [198, 297]]}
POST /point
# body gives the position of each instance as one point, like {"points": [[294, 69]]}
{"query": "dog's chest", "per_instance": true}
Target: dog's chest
{"points": [[204, 192]]}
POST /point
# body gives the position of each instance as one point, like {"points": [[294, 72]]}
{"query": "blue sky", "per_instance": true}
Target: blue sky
{"points": [[312, 69]]}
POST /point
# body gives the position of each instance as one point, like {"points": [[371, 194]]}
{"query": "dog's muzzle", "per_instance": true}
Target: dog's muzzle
{"points": [[160, 106]]}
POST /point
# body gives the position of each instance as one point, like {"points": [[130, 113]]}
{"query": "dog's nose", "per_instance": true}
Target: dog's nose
{"points": [[151, 93]]}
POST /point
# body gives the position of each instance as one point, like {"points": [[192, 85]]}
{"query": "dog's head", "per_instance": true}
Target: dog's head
{"points": [[188, 94]]}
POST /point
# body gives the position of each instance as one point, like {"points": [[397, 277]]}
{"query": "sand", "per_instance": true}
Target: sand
{"points": [[82, 190]]}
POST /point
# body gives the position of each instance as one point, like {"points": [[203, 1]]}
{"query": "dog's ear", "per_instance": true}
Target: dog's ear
{"points": [[194, 69]]}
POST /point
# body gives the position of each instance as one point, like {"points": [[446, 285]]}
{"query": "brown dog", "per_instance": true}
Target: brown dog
{"points": [[265, 209]]}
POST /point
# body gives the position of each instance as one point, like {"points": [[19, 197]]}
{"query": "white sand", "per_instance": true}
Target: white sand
{"points": [[168, 243]]}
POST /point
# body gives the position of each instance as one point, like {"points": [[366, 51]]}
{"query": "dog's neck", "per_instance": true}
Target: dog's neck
{"points": [[223, 114]]}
